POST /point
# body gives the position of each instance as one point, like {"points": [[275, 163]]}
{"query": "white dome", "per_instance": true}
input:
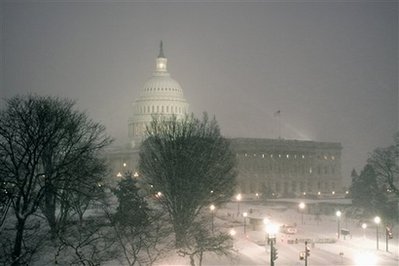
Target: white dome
{"points": [[161, 86], [160, 95]]}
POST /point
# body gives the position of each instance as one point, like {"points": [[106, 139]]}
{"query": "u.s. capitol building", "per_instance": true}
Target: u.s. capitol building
{"points": [[286, 167]]}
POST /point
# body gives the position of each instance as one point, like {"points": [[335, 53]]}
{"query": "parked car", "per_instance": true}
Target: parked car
{"points": [[288, 229]]}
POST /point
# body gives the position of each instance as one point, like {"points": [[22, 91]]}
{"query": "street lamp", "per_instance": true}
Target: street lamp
{"points": [[238, 198], [377, 220], [271, 230], [364, 226], [338, 214], [212, 208], [245, 223], [301, 206]]}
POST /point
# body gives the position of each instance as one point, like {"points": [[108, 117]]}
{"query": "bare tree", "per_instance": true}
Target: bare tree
{"points": [[191, 164], [86, 244], [385, 162], [200, 241], [46, 147]]}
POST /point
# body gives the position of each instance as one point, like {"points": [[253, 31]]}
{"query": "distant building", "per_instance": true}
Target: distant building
{"points": [[287, 167], [161, 96]]}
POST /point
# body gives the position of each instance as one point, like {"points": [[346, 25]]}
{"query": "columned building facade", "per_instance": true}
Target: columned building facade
{"points": [[288, 167]]}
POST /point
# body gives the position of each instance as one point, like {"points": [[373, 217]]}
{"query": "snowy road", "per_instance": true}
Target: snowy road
{"points": [[356, 250]]}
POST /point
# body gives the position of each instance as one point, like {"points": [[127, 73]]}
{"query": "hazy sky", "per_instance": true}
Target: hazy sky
{"points": [[331, 67]]}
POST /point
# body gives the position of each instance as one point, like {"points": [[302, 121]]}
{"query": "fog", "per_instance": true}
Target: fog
{"points": [[330, 67]]}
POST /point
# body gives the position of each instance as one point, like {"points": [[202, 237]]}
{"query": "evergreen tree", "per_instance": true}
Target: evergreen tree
{"points": [[132, 209], [367, 195]]}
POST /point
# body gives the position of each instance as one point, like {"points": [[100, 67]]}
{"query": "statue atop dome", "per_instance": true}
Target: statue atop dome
{"points": [[161, 61], [161, 55]]}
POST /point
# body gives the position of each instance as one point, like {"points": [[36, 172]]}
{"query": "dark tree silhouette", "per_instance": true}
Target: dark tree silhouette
{"points": [[385, 162], [47, 149], [140, 232], [368, 196], [191, 164]]}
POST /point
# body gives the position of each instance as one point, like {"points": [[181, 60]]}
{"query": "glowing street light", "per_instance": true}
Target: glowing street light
{"points": [[301, 206], [271, 230], [377, 220], [364, 226], [338, 214], [238, 198], [212, 208]]}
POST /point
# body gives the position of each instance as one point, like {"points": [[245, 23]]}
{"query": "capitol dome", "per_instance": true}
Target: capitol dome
{"points": [[160, 95]]}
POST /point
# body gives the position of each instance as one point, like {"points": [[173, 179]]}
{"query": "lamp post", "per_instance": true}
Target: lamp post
{"points": [[338, 214], [377, 220], [245, 223], [301, 206], [364, 226], [232, 233], [271, 230], [238, 198], [212, 208]]}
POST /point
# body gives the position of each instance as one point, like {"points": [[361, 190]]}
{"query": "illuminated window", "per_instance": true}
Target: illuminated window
{"points": [[288, 156], [263, 156]]}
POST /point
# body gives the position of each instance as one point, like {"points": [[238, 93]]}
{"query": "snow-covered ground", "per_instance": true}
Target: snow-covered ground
{"points": [[357, 249]]}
